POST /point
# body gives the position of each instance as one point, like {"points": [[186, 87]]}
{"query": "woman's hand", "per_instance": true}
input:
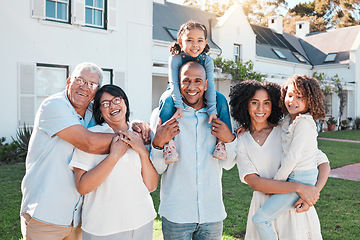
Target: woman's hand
{"points": [[310, 194], [134, 141], [301, 206], [118, 148]]}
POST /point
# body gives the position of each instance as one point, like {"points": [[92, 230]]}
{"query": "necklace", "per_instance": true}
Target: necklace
{"points": [[262, 131]]}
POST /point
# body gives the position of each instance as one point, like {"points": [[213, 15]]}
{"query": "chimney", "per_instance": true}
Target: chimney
{"points": [[276, 23], [160, 1], [302, 28]]}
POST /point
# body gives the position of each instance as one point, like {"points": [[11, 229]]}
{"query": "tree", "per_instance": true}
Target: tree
{"points": [[330, 13], [238, 70]]}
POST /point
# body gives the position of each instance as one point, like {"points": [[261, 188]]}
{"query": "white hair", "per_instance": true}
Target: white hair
{"points": [[92, 67]]}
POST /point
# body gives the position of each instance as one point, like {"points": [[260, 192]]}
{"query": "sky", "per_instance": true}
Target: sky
{"points": [[291, 3]]}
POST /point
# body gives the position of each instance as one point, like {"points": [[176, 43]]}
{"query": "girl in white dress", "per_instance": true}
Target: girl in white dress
{"points": [[116, 186], [255, 106]]}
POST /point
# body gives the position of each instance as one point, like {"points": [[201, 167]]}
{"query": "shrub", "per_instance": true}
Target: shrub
{"points": [[17, 150], [357, 123]]}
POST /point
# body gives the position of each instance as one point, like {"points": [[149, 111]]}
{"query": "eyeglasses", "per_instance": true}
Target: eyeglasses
{"points": [[82, 82], [107, 103]]}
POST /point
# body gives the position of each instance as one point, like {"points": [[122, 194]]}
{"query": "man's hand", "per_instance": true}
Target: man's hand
{"points": [[178, 113], [165, 132], [143, 128], [220, 130]]}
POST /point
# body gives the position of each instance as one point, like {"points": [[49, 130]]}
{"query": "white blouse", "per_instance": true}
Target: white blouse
{"points": [[122, 202], [265, 161], [299, 145]]}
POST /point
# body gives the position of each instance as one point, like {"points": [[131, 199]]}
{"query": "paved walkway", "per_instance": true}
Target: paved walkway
{"points": [[349, 172]]}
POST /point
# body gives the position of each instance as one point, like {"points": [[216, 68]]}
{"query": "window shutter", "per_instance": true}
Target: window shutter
{"points": [[111, 15], [38, 9], [78, 12], [119, 79], [26, 73]]}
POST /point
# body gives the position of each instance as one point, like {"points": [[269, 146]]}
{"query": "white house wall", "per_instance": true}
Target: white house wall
{"points": [[233, 28], [127, 51]]}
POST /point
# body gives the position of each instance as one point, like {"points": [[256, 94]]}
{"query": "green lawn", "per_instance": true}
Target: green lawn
{"points": [[345, 134], [338, 207]]}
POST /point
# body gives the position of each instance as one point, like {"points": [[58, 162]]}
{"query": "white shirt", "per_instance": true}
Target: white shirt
{"points": [[122, 202], [48, 188], [299, 144]]}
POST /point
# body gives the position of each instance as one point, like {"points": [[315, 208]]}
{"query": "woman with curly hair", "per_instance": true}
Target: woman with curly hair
{"points": [[255, 105]]}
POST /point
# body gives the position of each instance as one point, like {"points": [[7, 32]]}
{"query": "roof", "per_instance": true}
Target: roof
{"points": [[172, 16], [269, 42], [318, 45]]}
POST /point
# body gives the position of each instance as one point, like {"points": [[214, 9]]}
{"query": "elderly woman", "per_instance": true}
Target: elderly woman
{"points": [[255, 105], [117, 202]]}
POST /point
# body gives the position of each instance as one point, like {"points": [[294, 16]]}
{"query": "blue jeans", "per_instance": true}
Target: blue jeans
{"points": [[280, 203], [188, 231], [167, 108]]}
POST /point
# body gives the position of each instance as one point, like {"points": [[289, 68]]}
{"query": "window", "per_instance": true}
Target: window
{"points": [[50, 79], [328, 105], [57, 10], [299, 57], [108, 76], [279, 54], [330, 57], [172, 32], [237, 52], [95, 13]]}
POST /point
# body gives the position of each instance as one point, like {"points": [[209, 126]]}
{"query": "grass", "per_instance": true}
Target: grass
{"points": [[345, 134], [338, 207]]}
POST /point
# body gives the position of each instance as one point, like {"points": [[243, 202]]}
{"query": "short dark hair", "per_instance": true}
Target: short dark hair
{"points": [[241, 94], [114, 91]]}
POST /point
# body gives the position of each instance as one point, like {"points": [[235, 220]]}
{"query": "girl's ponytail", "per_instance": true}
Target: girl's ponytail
{"points": [[206, 49], [175, 48]]}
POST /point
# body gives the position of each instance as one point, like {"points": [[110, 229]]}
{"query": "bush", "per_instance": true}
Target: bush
{"points": [[357, 123], [17, 150], [8, 152]]}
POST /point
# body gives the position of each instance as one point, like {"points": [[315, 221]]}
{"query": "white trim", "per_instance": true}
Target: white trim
{"points": [[285, 63]]}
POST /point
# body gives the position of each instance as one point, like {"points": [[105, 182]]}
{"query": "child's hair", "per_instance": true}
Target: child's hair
{"points": [[175, 47], [309, 87], [241, 94]]}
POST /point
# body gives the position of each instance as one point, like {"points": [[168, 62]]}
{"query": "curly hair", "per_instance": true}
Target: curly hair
{"points": [[309, 87], [114, 91], [242, 93], [175, 47]]}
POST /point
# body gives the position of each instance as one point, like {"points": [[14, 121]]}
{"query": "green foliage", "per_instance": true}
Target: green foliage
{"points": [[331, 120], [22, 139], [8, 152], [357, 123], [238, 70], [17, 150]]}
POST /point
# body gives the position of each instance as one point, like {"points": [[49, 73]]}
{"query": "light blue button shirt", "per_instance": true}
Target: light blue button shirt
{"points": [[48, 187], [191, 190]]}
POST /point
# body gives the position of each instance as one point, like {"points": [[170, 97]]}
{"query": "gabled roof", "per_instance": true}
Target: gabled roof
{"points": [[269, 42], [318, 45], [172, 16]]}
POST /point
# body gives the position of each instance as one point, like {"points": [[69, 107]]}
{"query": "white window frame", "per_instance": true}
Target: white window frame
{"points": [[67, 2], [330, 57], [237, 52], [103, 15], [109, 72]]}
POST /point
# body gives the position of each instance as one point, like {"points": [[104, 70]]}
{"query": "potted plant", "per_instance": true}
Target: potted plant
{"points": [[344, 124], [331, 123]]}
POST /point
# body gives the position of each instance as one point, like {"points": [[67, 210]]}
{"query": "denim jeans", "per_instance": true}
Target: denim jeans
{"points": [[188, 231], [280, 203]]}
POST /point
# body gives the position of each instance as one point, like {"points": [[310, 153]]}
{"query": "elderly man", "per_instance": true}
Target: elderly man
{"points": [[50, 207], [191, 192]]}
